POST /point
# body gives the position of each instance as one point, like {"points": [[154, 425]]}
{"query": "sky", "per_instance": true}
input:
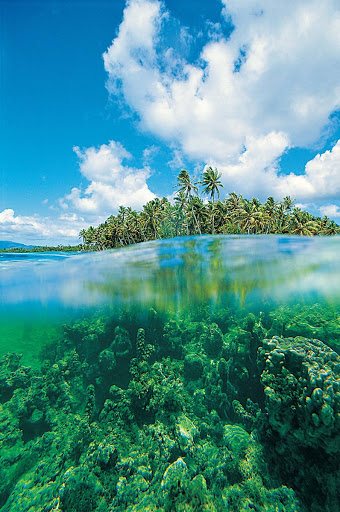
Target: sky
{"points": [[102, 103]]}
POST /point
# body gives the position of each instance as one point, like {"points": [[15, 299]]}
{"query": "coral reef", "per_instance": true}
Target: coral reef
{"points": [[140, 412], [302, 388], [313, 322], [301, 379]]}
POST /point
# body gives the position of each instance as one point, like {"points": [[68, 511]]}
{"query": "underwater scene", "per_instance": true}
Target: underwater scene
{"points": [[193, 374]]}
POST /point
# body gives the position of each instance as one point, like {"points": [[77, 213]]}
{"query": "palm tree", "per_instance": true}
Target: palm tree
{"points": [[234, 206], [177, 217], [188, 187], [302, 223], [200, 212], [149, 215], [161, 219], [329, 227], [270, 209], [211, 183], [249, 216], [133, 225], [281, 218], [220, 211], [181, 203], [288, 203], [90, 235], [82, 235]]}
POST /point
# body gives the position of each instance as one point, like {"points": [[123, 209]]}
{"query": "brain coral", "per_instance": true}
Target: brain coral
{"points": [[301, 379]]}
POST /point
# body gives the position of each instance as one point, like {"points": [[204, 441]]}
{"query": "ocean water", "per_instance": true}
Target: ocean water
{"points": [[198, 373]]}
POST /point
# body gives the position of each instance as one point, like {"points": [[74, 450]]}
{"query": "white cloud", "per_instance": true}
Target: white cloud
{"points": [[240, 118], [303, 206], [40, 230], [320, 180], [149, 154], [105, 164], [112, 184], [255, 171], [177, 161], [71, 217], [331, 210]]}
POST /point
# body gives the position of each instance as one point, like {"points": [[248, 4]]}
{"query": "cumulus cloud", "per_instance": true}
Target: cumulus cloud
{"points": [[112, 183], [331, 210], [37, 229], [320, 180], [257, 170], [269, 86], [257, 167]]}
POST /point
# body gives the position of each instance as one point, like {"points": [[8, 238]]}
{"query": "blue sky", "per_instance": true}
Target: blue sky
{"points": [[247, 86]]}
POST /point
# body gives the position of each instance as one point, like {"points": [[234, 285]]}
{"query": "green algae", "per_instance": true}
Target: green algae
{"points": [[213, 410]]}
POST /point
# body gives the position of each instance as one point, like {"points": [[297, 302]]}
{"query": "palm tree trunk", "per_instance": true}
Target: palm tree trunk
{"points": [[155, 230], [213, 227], [186, 223], [195, 219]]}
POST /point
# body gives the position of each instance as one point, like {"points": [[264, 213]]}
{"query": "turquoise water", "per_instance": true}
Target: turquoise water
{"points": [[199, 373], [165, 273]]}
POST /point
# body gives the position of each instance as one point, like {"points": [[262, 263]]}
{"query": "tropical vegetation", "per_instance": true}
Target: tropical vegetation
{"points": [[191, 215], [46, 248]]}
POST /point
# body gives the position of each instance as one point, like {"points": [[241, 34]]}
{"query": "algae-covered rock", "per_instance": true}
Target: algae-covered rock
{"points": [[301, 379], [81, 491], [107, 360], [248, 415], [186, 432], [310, 321], [12, 375], [143, 350], [212, 340], [251, 484], [175, 475], [193, 366], [121, 344], [236, 438]]}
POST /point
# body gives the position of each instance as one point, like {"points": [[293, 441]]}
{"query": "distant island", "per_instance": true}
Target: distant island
{"points": [[9, 246], [6, 244], [190, 215]]}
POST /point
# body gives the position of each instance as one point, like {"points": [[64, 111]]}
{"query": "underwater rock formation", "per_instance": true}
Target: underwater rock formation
{"points": [[312, 322], [301, 379], [186, 414], [302, 387]]}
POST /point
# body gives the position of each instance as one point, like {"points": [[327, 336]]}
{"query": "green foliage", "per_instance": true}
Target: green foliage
{"points": [[46, 248], [189, 215]]}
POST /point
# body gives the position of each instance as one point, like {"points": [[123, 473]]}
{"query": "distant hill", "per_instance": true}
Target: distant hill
{"points": [[6, 244]]}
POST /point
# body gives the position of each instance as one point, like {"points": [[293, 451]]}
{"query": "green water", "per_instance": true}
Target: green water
{"points": [[193, 374]]}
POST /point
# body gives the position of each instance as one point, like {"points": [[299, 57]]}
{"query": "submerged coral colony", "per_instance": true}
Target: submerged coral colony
{"points": [[212, 411]]}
